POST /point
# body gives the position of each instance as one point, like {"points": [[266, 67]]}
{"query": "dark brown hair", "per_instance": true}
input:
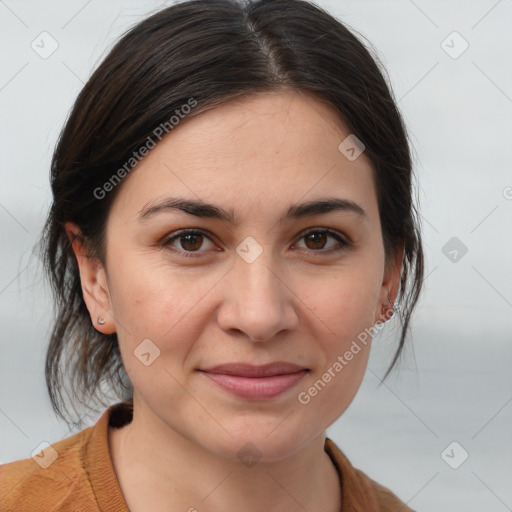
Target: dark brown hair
{"points": [[211, 51]]}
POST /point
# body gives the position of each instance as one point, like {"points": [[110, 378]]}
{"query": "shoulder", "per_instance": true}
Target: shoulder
{"points": [[52, 479], [359, 491], [387, 500]]}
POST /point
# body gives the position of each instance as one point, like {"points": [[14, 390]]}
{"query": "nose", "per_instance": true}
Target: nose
{"points": [[258, 301]]}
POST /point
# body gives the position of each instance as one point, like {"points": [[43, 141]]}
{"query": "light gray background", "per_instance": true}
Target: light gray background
{"points": [[455, 383]]}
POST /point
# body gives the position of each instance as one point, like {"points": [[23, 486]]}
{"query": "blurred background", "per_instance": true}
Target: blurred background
{"points": [[437, 432]]}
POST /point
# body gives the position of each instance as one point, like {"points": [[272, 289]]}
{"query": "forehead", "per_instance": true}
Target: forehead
{"points": [[257, 151]]}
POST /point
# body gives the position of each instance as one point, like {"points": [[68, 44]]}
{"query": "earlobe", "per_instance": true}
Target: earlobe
{"points": [[389, 289], [94, 283]]}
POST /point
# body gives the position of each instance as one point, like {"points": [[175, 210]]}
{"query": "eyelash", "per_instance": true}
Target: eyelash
{"points": [[345, 244]]}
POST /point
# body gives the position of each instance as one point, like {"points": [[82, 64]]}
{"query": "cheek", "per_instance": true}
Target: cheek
{"points": [[343, 308], [342, 301], [331, 388], [156, 299], [167, 308], [345, 348]]}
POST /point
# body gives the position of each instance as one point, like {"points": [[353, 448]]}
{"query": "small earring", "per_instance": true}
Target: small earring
{"points": [[385, 306], [100, 320]]}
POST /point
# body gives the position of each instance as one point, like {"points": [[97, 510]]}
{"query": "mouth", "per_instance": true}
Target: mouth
{"points": [[256, 382]]}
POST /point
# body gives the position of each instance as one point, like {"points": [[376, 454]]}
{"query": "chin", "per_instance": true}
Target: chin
{"points": [[253, 444]]}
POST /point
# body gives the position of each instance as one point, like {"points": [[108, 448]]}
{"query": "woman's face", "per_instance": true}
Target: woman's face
{"points": [[256, 290]]}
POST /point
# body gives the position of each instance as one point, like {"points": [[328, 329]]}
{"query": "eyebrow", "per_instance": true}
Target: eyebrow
{"points": [[206, 210]]}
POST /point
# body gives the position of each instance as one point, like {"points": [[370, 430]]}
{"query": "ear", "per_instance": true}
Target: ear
{"points": [[389, 288], [93, 278]]}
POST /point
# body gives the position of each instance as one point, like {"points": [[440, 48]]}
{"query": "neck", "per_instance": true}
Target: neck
{"points": [[167, 471]]}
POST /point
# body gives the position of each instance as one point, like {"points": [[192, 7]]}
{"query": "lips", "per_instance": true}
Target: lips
{"points": [[256, 382], [248, 370]]}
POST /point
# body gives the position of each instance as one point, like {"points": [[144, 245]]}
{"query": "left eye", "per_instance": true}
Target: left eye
{"points": [[315, 239], [318, 237]]}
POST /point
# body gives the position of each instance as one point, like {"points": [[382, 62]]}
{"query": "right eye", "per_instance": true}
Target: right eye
{"points": [[190, 241]]}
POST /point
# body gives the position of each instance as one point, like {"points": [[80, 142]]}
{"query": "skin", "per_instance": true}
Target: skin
{"points": [[256, 155]]}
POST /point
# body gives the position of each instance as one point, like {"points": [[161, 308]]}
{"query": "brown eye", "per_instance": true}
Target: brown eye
{"points": [[317, 239], [187, 242], [191, 242]]}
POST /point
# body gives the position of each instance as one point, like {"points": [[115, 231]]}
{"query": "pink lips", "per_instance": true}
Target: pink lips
{"points": [[256, 382]]}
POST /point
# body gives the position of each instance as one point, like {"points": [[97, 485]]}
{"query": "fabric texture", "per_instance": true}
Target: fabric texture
{"points": [[76, 474]]}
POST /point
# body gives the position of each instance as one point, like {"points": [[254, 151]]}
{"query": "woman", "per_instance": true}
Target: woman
{"points": [[232, 219]]}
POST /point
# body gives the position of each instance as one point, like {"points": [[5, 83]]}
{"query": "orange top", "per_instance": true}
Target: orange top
{"points": [[76, 474]]}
